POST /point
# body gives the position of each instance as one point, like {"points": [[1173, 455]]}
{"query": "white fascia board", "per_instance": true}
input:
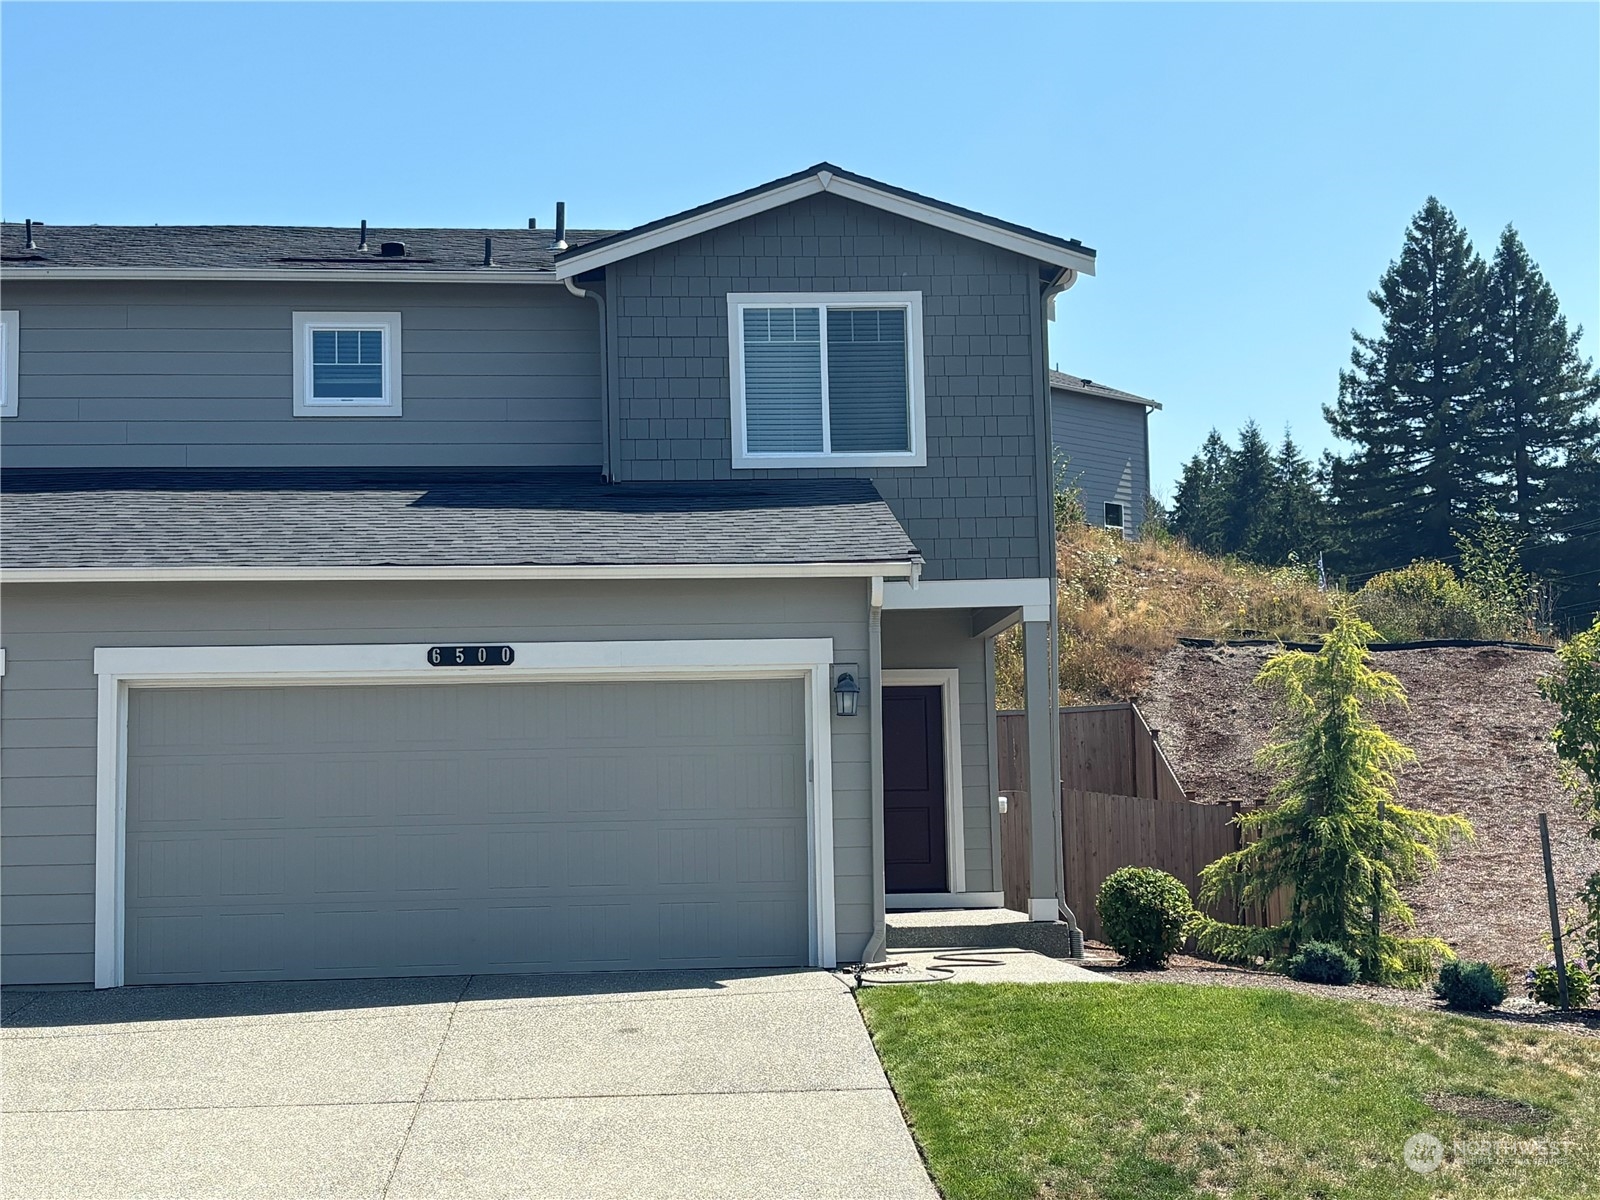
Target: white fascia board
{"points": [[1056, 388], [1027, 594], [978, 231], [890, 570], [575, 264], [247, 275], [982, 231]]}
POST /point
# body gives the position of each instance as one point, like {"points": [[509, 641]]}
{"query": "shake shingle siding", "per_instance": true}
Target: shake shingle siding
{"points": [[974, 510], [128, 374]]}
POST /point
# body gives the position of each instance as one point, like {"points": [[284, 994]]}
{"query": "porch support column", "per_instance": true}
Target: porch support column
{"points": [[1044, 787]]}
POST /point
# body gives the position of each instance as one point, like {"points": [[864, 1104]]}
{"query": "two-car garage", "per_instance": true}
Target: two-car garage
{"points": [[422, 827]]}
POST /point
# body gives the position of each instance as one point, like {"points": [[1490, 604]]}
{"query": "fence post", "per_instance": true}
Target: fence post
{"points": [[1555, 915]]}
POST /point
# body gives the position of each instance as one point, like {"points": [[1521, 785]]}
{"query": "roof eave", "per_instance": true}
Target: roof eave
{"points": [[887, 569], [792, 188], [276, 275]]}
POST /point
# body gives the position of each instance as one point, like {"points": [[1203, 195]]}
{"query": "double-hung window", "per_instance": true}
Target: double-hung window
{"points": [[346, 364], [8, 363], [827, 380]]}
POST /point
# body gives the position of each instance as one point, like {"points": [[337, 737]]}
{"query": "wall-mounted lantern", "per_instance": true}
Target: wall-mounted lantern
{"points": [[846, 695]]}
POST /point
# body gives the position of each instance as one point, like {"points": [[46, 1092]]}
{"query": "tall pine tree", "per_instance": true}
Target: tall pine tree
{"points": [[1412, 400], [1540, 392], [1295, 527], [1248, 488], [1199, 510]]}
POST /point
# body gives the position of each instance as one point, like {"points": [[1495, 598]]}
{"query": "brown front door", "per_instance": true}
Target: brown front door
{"points": [[913, 790]]}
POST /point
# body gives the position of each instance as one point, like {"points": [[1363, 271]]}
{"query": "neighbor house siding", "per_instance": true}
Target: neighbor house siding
{"points": [[975, 510], [1102, 443], [942, 638], [48, 703], [201, 375]]}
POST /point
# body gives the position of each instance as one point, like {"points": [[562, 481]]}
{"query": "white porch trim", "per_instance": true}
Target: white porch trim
{"points": [[1030, 595], [948, 680], [913, 901], [120, 669]]}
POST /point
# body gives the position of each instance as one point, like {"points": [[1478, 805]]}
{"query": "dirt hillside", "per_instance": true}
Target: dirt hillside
{"points": [[1482, 738]]}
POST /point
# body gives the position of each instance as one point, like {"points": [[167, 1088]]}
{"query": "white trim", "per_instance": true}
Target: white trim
{"points": [[121, 668], [810, 185], [1047, 908], [948, 680], [384, 274], [912, 901], [916, 416], [9, 329], [1031, 595], [307, 323], [2, 663], [202, 574]]}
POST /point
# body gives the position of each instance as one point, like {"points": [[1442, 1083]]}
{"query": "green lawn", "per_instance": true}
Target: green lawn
{"points": [[1151, 1090]]}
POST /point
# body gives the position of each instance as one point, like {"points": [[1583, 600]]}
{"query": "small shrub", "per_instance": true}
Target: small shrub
{"points": [[1144, 913], [1323, 962], [1544, 985], [1472, 986], [1424, 600]]}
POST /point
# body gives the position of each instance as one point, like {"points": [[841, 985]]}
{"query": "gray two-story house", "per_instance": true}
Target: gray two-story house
{"points": [[422, 601]]}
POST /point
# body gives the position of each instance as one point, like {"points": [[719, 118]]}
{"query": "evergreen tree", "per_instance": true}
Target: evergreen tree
{"points": [[1296, 518], [1412, 401], [1539, 392], [1248, 494], [1199, 510], [1332, 832]]}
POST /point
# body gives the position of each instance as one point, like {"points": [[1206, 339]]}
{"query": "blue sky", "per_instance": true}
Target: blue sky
{"points": [[1245, 171]]}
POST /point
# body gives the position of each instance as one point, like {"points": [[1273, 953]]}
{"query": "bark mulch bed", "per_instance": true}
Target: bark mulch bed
{"points": [[1482, 738], [1182, 968]]}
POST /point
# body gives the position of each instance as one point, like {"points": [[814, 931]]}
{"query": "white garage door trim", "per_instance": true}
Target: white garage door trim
{"points": [[122, 668]]}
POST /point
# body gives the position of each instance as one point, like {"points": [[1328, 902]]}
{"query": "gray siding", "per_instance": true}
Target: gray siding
{"points": [[1104, 444], [201, 375], [47, 703], [975, 510], [942, 638]]}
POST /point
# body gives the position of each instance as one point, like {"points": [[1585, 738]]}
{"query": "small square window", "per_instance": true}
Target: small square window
{"points": [[8, 363], [1114, 517], [347, 364]]}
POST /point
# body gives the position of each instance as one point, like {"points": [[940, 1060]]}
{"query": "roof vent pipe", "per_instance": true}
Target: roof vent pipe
{"points": [[561, 225], [363, 244], [488, 252], [533, 222], [29, 227]]}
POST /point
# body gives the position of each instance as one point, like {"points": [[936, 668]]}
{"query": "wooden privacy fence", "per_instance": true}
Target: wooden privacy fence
{"points": [[1121, 805]]}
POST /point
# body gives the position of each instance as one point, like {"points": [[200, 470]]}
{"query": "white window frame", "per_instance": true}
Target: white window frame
{"points": [[911, 302], [307, 323], [1122, 509], [9, 321]]}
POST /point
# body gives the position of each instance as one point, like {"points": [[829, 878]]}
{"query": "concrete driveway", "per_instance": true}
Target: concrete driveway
{"points": [[747, 1084]]}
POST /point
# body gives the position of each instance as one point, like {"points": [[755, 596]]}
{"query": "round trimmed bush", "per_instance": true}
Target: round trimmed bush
{"points": [[1143, 912], [1323, 962], [1544, 985], [1473, 986]]}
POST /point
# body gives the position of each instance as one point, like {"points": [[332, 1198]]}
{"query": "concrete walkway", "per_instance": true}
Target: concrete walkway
{"points": [[703, 1084]]}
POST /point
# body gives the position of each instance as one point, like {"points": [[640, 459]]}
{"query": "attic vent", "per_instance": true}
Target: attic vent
{"points": [[392, 250]]}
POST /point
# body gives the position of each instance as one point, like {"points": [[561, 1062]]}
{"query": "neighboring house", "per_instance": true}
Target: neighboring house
{"points": [[1102, 445], [440, 601]]}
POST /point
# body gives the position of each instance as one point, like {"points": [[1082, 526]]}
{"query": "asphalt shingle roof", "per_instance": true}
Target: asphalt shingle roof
{"points": [[334, 518], [1072, 383], [289, 248]]}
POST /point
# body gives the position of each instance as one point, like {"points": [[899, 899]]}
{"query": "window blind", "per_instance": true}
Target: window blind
{"points": [[347, 364], [868, 401], [783, 380]]}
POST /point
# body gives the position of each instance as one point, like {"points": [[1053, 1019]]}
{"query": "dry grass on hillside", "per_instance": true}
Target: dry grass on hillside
{"points": [[1125, 603], [1482, 738]]}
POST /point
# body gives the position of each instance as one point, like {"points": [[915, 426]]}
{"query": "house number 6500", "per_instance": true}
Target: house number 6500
{"points": [[471, 656]]}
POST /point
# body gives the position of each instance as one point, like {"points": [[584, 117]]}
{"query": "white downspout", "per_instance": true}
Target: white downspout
{"points": [[875, 944], [605, 391]]}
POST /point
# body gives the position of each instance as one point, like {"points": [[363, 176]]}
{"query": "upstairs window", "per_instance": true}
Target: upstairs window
{"points": [[8, 363], [827, 379], [346, 364], [1114, 518]]}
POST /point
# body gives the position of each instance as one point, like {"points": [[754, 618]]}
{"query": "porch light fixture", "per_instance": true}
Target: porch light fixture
{"points": [[846, 695]]}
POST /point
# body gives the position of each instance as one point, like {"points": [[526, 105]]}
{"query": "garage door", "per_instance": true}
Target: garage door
{"points": [[309, 832]]}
